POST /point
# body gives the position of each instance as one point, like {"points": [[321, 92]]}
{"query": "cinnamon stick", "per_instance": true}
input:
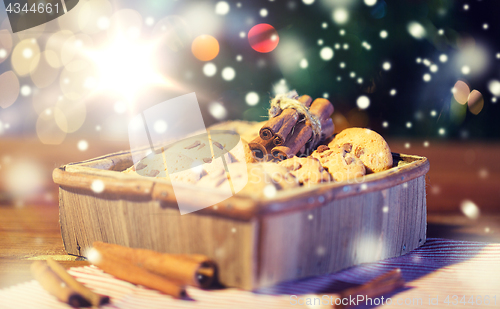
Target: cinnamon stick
{"points": [[194, 270], [261, 149], [327, 129], [321, 108], [94, 299], [56, 286], [301, 135], [123, 269], [290, 117]]}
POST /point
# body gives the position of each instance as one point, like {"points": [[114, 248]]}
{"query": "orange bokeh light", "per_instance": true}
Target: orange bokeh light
{"points": [[205, 47]]}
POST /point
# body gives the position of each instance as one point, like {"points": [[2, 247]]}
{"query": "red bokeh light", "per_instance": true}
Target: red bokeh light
{"points": [[263, 38]]}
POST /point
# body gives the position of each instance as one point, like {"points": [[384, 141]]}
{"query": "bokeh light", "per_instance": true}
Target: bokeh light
{"points": [[23, 56], [416, 30], [222, 8], [47, 130], [494, 87], [9, 88], [205, 47], [340, 16], [5, 44], [209, 69], [475, 102], [90, 13], [263, 38], [326, 53], [461, 92], [363, 102], [228, 74], [69, 114], [469, 209], [252, 98], [82, 145], [217, 110]]}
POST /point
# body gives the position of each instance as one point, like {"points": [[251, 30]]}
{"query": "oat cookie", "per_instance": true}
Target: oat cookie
{"points": [[367, 145], [307, 170], [339, 163]]}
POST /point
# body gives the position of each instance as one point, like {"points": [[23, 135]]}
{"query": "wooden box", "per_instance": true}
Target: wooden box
{"points": [[255, 242]]}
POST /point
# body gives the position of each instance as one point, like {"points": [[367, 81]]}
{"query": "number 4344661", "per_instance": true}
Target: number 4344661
{"points": [[477, 300], [40, 8]]}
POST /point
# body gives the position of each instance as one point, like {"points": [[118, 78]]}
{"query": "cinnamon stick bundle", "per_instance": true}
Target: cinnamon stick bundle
{"points": [[194, 270], [283, 122], [125, 270], [320, 108]]}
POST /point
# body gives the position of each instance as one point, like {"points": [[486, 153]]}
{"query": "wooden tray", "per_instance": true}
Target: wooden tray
{"points": [[256, 242]]}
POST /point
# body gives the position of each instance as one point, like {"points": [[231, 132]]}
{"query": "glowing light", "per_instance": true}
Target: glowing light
{"points": [[242, 34], [326, 53], [485, 26], [205, 47], [440, 31], [494, 87], [25, 90], [385, 124], [263, 38], [239, 58], [385, 209], [324, 25], [461, 92], [352, 74], [228, 73], [363, 102], [443, 58], [370, 2], [346, 46], [209, 69], [149, 21], [466, 7], [120, 107], [386, 66], [407, 145], [427, 77], [416, 30], [384, 34], [97, 186], [469, 209], [426, 144], [465, 70], [263, 13], [360, 80], [23, 59], [433, 113], [392, 92], [252, 98], [326, 95], [340, 16], [408, 125], [434, 68], [426, 62], [217, 110], [342, 65], [222, 8], [418, 60], [303, 63], [160, 126], [342, 32], [83, 145], [308, 2], [442, 131], [126, 80], [475, 102], [337, 46], [270, 191], [103, 23], [320, 42], [3, 53]]}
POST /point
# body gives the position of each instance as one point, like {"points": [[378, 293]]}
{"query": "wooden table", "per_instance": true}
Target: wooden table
{"points": [[29, 227]]}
